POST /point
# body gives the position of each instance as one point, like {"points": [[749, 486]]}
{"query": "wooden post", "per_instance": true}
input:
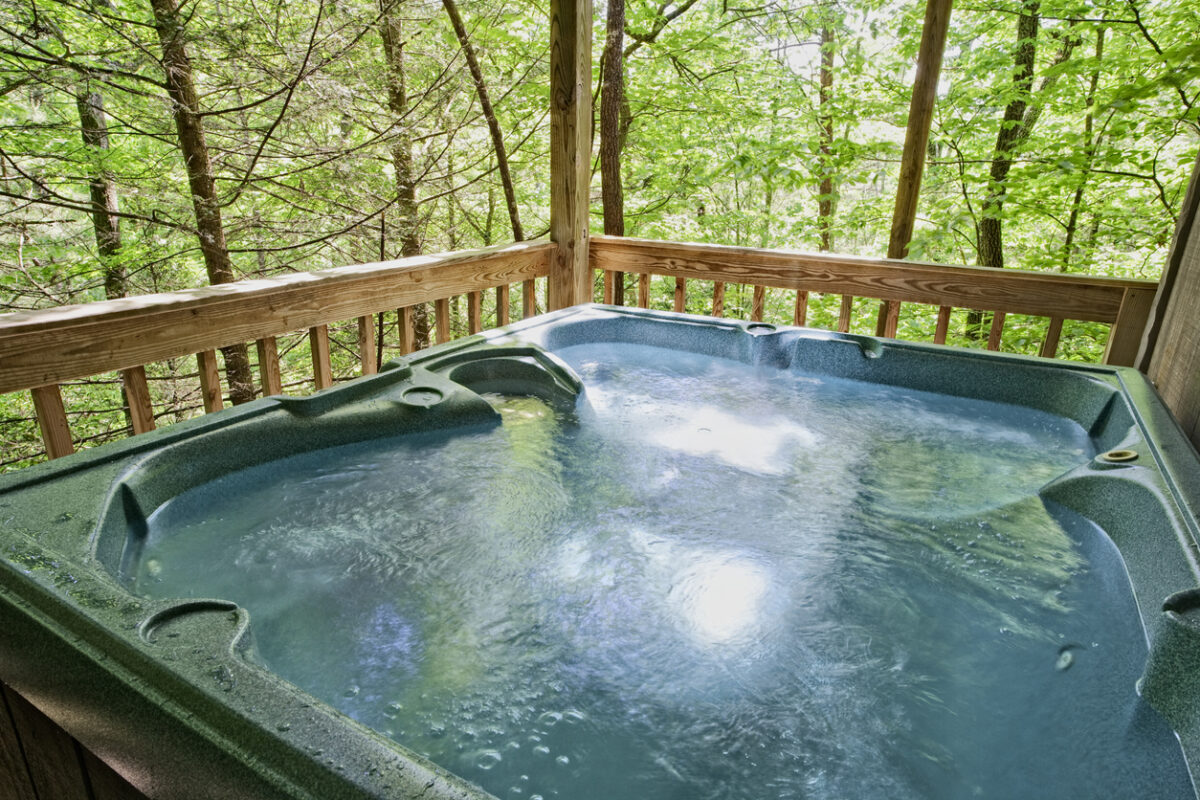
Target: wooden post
{"points": [[318, 340], [137, 394], [1053, 331], [210, 379], [52, 419], [502, 316], [570, 279], [408, 332], [758, 303], [680, 295], [800, 312], [997, 332], [367, 346], [268, 366], [528, 299], [718, 299], [1126, 334], [441, 313], [474, 312], [943, 324], [916, 142]]}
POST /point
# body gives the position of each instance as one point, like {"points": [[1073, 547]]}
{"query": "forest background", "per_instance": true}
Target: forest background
{"points": [[151, 145]]}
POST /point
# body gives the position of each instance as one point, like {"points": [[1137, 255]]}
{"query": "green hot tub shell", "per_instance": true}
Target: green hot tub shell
{"points": [[171, 694]]}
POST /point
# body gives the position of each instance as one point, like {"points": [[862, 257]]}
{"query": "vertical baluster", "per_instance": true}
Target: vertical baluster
{"points": [[719, 299], [943, 325], [137, 394], [441, 313], [528, 299], [502, 316], [210, 380], [997, 330], [608, 287], [318, 340], [52, 419], [680, 293], [843, 323], [758, 303], [644, 290], [889, 319], [408, 332], [1053, 332], [367, 345], [268, 366], [474, 312], [800, 313]]}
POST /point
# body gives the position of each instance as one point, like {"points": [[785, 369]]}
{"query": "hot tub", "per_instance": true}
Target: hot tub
{"points": [[617, 553]]}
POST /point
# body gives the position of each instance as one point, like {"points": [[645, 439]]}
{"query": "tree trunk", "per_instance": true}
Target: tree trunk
{"points": [[612, 78], [1089, 153], [510, 195], [103, 191], [391, 32], [825, 201], [189, 125], [990, 237]]}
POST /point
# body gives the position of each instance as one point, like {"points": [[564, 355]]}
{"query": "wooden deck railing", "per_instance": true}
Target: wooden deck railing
{"points": [[1125, 304], [39, 350]]}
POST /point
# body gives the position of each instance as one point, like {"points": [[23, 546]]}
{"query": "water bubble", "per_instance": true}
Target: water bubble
{"points": [[352, 691], [541, 750], [573, 717], [563, 760], [488, 759], [549, 719]]}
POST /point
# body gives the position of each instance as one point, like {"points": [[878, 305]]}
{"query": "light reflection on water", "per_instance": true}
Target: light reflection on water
{"points": [[716, 581]]}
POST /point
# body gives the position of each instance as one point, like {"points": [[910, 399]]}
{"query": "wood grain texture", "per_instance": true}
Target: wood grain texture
{"points": [[474, 312], [210, 380], [268, 366], [318, 342], [441, 313], [52, 420], [51, 346], [408, 332], [679, 301], [943, 325], [502, 313], [718, 306], [644, 290], [104, 782], [1175, 366], [51, 755], [1053, 332], [758, 303], [15, 781], [845, 312], [367, 346], [570, 280], [1130, 326], [528, 298], [800, 310], [1013, 291], [996, 334], [888, 320], [137, 395]]}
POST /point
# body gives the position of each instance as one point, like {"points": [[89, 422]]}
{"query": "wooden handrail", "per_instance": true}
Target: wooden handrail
{"points": [[988, 289], [39, 348]]}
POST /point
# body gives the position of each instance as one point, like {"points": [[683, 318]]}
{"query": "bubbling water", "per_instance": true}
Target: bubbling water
{"points": [[712, 581]]}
